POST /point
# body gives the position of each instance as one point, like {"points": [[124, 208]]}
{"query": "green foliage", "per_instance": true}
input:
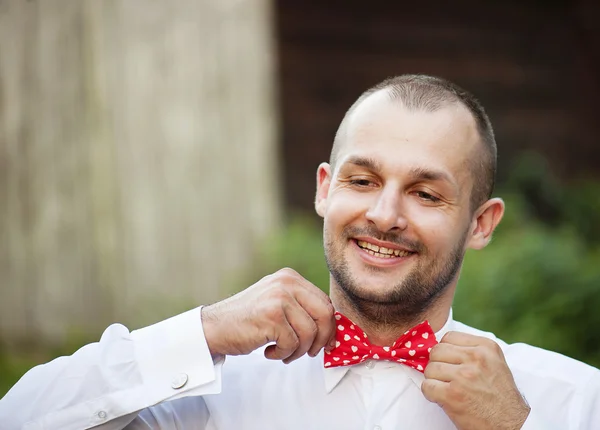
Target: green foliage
{"points": [[12, 367], [535, 284], [298, 246]]}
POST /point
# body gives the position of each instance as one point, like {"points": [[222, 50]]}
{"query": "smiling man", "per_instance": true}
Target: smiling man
{"points": [[399, 179], [406, 192]]}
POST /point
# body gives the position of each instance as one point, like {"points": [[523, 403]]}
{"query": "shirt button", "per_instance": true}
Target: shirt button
{"points": [[102, 415], [370, 365], [179, 381]]}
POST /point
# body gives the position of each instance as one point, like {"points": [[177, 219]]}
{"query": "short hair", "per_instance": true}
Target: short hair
{"points": [[429, 94]]}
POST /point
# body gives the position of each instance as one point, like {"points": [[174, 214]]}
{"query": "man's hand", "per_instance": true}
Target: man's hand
{"points": [[283, 308], [468, 377]]}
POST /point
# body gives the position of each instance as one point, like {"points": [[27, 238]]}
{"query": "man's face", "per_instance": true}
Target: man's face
{"points": [[396, 207]]}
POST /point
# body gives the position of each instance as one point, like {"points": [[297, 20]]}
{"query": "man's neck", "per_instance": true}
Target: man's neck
{"points": [[385, 334]]}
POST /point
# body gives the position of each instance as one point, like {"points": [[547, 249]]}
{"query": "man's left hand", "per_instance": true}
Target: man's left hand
{"points": [[468, 377]]}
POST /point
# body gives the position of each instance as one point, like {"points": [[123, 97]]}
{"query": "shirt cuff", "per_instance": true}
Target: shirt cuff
{"points": [[173, 357]]}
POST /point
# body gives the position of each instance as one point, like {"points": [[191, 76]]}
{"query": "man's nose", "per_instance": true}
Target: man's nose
{"points": [[387, 211]]}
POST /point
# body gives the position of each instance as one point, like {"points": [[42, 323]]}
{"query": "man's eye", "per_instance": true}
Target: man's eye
{"points": [[426, 196], [361, 182]]}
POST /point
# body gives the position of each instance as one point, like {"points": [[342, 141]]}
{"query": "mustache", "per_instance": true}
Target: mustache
{"points": [[373, 232]]}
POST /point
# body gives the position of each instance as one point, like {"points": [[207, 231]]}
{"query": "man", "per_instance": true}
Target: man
{"points": [[406, 192]]}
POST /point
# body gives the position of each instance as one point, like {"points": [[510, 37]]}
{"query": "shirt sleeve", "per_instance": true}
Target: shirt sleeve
{"points": [[590, 404], [106, 383], [536, 422], [584, 412]]}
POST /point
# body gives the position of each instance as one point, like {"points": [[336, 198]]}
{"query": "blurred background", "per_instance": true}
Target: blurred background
{"points": [[155, 155]]}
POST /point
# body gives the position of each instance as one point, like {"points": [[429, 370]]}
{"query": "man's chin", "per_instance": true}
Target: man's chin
{"points": [[375, 293]]}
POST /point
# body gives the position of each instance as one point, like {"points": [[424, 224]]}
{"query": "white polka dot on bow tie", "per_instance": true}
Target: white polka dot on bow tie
{"points": [[419, 367], [356, 357], [376, 357], [425, 335], [354, 348], [340, 327], [414, 332], [328, 364], [346, 337], [408, 344], [338, 317], [412, 352], [336, 358], [346, 361], [428, 349], [420, 345], [393, 353], [352, 326], [365, 344], [356, 337], [365, 356], [337, 344], [386, 348]]}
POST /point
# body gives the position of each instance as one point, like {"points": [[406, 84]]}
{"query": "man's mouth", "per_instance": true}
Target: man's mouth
{"points": [[382, 252]]}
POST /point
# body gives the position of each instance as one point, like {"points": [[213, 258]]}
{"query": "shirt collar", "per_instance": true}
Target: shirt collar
{"points": [[333, 375]]}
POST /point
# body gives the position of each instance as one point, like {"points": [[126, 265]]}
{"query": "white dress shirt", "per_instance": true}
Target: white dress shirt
{"points": [[114, 384]]}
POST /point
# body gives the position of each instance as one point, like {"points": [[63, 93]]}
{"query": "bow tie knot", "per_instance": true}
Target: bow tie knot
{"points": [[353, 346]]}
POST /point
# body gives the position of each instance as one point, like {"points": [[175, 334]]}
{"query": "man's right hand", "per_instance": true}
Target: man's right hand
{"points": [[283, 308]]}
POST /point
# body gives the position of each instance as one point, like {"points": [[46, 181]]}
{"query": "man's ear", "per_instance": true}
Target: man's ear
{"points": [[487, 217], [323, 182]]}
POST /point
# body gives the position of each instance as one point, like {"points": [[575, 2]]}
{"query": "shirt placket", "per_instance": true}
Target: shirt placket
{"points": [[381, 409]]}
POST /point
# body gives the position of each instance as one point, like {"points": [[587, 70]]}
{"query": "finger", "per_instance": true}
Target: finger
{"points": [[325, 336], [463, 339], [323, 316], [310, 296], [306, 286], [286, 342], [290, 276], [443, 372], [313, 289], [448, 353], [434, 390], [305, 328]]}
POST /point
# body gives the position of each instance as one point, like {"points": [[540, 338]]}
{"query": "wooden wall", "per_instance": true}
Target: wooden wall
{"points": [[137, 158]]}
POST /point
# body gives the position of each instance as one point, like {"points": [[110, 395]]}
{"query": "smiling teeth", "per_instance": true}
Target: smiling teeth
{"points": [[380, 251]]}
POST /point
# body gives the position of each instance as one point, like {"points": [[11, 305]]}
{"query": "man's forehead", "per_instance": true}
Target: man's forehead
{"points": [[381, 109], [384, 130], [379, 118]]}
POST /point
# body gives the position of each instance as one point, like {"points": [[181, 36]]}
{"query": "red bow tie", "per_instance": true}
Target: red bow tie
{"points": [[353, 346]]}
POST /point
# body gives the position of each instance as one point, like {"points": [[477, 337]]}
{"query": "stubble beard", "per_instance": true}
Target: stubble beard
{"points": [[407, 301]]}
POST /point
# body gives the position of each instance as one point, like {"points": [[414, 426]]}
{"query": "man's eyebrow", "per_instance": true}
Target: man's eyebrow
{"points": [[424, 174], [367, 163]]}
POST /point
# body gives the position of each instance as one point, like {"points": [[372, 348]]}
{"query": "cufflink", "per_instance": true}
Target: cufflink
{"points": [[179, 381]]}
